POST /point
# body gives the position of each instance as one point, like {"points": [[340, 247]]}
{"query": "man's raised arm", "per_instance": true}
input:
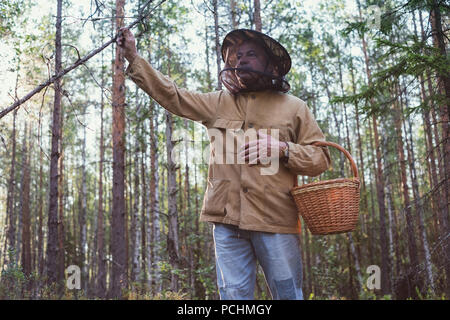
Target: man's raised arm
{"points": [[195, 106]]}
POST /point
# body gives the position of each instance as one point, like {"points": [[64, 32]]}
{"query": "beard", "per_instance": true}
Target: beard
{"points": [[251, 80], [245, 79], [245, 75]]}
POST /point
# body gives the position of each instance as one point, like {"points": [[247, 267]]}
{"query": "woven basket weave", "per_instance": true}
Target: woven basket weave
{"points": [[330, 206]]}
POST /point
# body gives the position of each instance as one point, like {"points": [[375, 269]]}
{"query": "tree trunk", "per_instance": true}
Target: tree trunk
{"points": [[154, 204], [119, 267], [172, 237], [439, 202], [308, 249], [40, 208], [136, 270], [11, 190], [208, 68], [234, 22], [52, 239], [419, 210], [198, 285], [61, 253], [101, 263], [336, 120], [391, 224], [341, 84], [92, 257], [145, 223], [356, 260], [417, 198], [83, 212], [385, 263], [443, 82], [365, 204], [10, 198], [25, 195], [257, 15], [412, 246], [217, 41], [128, 208], [187, 210], [430, 159], [372, 234]]}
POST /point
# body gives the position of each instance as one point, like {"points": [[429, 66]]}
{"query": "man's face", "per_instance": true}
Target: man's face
{"points": [[250, 56]]}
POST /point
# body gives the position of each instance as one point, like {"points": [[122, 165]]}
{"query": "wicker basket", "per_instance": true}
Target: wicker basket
{"points": [[330, 206]]}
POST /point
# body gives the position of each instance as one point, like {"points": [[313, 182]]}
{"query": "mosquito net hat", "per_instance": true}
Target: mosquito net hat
{"points": [[272, 78]]}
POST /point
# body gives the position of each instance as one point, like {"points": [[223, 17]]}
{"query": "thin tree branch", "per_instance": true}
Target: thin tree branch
{"points": [[76, 64]]}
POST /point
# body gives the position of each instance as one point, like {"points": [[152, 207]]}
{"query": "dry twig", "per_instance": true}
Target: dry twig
{"points": [[76, 64]]}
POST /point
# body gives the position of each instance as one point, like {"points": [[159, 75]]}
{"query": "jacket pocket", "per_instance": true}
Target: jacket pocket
{"points": [[280, 207], [228, 124], [216, 197]]}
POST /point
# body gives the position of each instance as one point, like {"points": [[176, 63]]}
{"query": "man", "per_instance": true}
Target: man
{"points": [[254, 215]]}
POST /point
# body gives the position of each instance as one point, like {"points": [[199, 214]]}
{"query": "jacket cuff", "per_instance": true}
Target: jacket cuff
{"points": [[289, 161], [307, 160]]}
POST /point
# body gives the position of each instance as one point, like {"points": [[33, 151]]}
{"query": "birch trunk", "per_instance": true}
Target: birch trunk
{"points": [[391, 227], [153, 264], [418, 204]]}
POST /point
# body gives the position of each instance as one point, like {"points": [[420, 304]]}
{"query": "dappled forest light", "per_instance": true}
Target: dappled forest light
{"points": [[97, 178]]}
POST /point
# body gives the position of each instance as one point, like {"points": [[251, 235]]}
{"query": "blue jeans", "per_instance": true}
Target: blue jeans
{"points": [[237, 252]]}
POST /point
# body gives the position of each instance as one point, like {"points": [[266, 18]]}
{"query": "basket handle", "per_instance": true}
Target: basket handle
{"points": [[335, 145]]}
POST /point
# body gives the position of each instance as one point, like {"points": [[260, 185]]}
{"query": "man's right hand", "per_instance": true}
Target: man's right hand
{"points": [[127, 43]]}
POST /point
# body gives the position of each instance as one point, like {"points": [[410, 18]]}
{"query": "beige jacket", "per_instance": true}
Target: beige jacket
{"points": [[237, 193]]}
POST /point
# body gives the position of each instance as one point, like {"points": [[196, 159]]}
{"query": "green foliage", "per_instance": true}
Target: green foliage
{"points": [[13, 281], [411, 60], [9, 13]]}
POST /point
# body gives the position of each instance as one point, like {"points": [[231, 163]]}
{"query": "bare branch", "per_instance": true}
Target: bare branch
{"points": [[75, 65]]}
